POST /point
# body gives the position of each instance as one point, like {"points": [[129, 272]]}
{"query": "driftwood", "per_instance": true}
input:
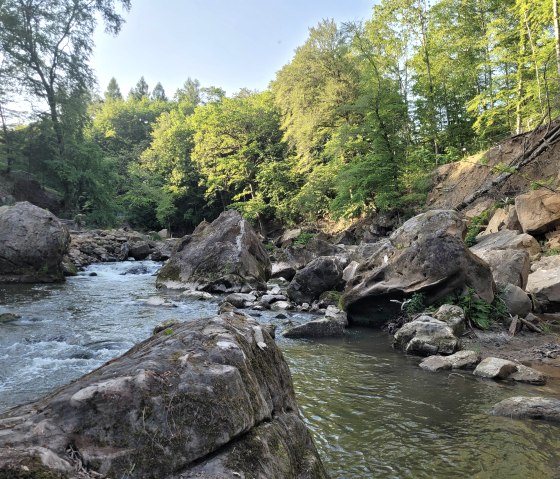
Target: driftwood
{"points": [[513, 325], [549, 139], [530, 326]]}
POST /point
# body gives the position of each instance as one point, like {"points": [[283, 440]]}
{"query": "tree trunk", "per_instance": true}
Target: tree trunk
{"points": [[556, 35], [9, 156]]}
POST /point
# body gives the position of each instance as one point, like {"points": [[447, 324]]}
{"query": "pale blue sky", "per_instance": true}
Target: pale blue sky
{"points": [[226, 43]]}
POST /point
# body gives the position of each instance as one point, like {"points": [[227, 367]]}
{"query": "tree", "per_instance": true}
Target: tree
{"points": [[113, 91], [189, 93], [140, 91], [158, 93], [46, 45]]}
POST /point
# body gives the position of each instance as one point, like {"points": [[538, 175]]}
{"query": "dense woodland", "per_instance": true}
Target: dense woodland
{"points": [[353, 124]]}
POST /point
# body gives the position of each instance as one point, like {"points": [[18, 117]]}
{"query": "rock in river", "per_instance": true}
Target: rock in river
{"points": [[520, 407], [225, 256], [33, 243], [434, 265], [207, 398]]}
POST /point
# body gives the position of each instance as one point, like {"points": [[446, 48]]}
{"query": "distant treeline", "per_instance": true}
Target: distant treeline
{"points": [[354, 123]]}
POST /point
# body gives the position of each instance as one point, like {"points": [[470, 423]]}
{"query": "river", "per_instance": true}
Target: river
{"points": [[373, 413]]}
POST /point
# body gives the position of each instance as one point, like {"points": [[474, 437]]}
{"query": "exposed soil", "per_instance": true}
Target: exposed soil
{"points": [[455, 181]]}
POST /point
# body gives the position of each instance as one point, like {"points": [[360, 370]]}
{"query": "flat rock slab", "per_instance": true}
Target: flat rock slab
{"points": [[520, 407], [525, 374], [459, 360], [495, 368]]}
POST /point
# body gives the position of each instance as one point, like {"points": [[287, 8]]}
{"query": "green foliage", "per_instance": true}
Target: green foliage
{"points": [[303, 238], [480, 313], [552, 252], [476, 225], [416, 304]]}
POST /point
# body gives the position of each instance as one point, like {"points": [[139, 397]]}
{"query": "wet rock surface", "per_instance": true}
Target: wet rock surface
{"points": [[207, 398], [521, 407]]}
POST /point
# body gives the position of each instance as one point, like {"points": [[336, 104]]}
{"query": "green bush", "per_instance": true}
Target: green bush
{"points": [[477, 224], [480, 313], [416, 304], [304, 238]]}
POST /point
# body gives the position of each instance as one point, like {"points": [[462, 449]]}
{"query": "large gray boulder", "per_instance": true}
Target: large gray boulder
{"points": [[225, 256], [207, 398], [33, 243], [521, 407], [426, 336], [331, 325], [435, 265], [322, 274]]}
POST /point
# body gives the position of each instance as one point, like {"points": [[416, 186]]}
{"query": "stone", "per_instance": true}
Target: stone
{"points": [[435, 266], [332, 325], [426, 336], [163, 234], [511, 221], [544, 284], [525, 374], [202, 295], [538, 211], [297, 256], [240, 300], [508, 266], [213, 398], [507, 240], [350, 270], [553, 240], [267, 299], [322, 274], [166, 326], [497, 222], [453, 316], [520, 407], [140, 250], [289, 236], [284, 270], [516, 300], [433, 222], [281, 306], [495, 368], [459, 360], [9, 317], [225, 256], [33, 243]]}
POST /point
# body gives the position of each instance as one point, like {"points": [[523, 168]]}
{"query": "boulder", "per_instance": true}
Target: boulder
{"points": [[284, 270], [426, 336], [332, 325], [33, 243], [508, 266], [497, 222], [519, 407], [538, 211], [162, 250], [516, 300], [350, 270], [525, 374], [322, 274], [495, 368], [298, 255], [453, 316], [139, 250], [544, 284], [435, 265], [206, 398], [289, 236], [225, 256], [507, 240], [459, 360], [240, 300], [553, 240]]}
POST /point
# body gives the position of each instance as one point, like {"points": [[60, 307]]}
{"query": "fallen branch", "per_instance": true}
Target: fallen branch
{"points": [[513, 325], [530, 326]]}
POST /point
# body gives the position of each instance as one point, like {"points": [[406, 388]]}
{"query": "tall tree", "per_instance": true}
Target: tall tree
{"points": [[47, 44], [158, 93], [140, 90], [113, 91]]}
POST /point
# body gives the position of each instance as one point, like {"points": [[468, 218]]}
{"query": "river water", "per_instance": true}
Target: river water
{"points": [[373, 413]]}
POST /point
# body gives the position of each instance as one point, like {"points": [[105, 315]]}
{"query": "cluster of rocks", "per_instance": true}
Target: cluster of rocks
{"points": [[99, 246]]}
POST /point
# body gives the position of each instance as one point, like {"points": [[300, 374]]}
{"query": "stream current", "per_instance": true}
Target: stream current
{"points": [[373, 413]]}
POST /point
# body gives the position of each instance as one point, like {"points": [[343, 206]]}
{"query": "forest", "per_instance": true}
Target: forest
{"points": [[355, 123]]}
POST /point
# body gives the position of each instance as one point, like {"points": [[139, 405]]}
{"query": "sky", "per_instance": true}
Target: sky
{"points": [[230, 44]]}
